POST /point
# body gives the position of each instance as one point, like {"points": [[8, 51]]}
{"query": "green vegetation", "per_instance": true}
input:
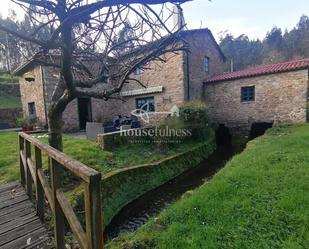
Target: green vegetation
{"points": [[277, 46], [8, 78], [9, 167], [9, 102], [140, 179], [87, 152], [259, 200]]}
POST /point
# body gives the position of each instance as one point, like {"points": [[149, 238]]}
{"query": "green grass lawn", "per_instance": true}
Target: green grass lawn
{"points": [[9, 102], [8, 78], [259, 200], [87, 152]]}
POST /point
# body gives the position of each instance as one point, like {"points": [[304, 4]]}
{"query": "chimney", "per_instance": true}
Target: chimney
{"points": [[178, 17]]}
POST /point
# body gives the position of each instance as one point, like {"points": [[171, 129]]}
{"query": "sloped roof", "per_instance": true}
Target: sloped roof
{"points": [[34, 60], [262, 70]]}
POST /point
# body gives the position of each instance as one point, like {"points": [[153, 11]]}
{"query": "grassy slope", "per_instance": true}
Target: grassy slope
{"points": [[7, 78], [10, 102], [259, 200], [85, 151]]}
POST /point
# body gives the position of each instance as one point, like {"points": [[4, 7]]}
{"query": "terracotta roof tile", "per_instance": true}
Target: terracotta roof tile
{"points": [[262, 70]]}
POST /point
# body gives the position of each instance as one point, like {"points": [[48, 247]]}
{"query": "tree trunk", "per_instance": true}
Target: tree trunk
{"points": [[55, 124]]}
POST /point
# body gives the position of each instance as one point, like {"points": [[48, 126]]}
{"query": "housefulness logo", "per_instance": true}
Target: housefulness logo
{"points": [[157, 134], [144, 111]]}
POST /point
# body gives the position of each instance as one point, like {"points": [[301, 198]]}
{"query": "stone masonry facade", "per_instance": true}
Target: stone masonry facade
{"points": [[33, 92], [172, 76], [279, 98]]}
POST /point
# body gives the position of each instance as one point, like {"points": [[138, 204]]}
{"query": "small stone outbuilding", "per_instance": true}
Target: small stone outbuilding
{"points": [[275, 93]]}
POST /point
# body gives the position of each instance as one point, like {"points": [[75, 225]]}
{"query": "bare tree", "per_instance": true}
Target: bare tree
{"points": [[84, 33]]}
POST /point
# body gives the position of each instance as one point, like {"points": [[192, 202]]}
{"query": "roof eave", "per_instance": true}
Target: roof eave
{"points": [[257, 75]]}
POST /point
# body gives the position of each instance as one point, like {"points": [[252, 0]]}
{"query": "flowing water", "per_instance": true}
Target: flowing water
{"points": [[135, 214]]}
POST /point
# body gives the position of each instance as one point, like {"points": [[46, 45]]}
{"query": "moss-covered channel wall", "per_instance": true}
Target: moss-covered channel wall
{"points": [[122, 186]]}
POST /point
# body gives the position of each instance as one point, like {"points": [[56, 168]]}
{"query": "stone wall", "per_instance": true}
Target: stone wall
{"points": [[170, 75], [279, 98], [33, 92], [201, 45], [70, 116]]}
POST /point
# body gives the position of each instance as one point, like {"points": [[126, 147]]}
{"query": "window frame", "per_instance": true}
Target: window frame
{"points": [[144, 99], [247, 94], [206, 61], [32, 110]]}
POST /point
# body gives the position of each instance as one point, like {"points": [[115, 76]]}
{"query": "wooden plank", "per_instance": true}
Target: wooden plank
{"points": [[16, 215], [13, 201], [46, 188], [39, 187], [34, 238], [15, 209], [32, 169], [58, 217], [93, 213], [7, 186], [15, 223], [28, 172], [11, 195], [12, 191], [75, 225], [78, 168], [21, 231], [21, 164]]}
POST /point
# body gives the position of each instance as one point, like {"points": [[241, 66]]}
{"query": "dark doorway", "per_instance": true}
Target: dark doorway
{"points": [[223, 136], [258, 129], [84, 112]]}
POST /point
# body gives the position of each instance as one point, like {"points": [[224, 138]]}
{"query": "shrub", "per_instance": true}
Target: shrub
{"points": [[24, 121], [195, 116]]}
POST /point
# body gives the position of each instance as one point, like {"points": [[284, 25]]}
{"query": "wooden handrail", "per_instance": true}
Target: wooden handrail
{"points": [[32, 174]]}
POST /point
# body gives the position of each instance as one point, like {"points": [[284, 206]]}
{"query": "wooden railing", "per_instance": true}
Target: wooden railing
{"points": [[32, 173]]}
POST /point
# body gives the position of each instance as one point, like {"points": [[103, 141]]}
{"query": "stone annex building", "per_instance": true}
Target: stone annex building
{"points": [[272, 93]]}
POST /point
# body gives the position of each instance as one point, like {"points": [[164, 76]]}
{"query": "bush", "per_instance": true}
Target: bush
{"points": [[195, 116], [24, 121]]}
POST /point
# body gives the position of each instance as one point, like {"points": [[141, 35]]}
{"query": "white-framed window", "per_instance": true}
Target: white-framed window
{"points": [[206, 64]]}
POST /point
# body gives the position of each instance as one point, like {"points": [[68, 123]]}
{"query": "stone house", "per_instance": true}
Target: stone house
{"points": [[275, 93], [167, 84]]}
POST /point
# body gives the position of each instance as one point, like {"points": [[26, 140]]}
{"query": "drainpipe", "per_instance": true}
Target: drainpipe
{"points": [[44, 91]]}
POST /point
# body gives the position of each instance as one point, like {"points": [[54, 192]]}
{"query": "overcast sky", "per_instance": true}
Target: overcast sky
{"points": [[251, 17]]}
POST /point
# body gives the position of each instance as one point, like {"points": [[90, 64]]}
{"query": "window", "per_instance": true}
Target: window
{"points": [[147, 104], [31, 110], [247, 93], [206, 64], [139, 71]]}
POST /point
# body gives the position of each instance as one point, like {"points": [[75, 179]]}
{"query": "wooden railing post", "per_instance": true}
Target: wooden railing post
{"points": [[39, 187], [56, 176], [28, 173], [21, 165], [93, 213]]}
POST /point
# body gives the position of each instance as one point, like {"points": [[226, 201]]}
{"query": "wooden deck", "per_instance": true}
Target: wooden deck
{"points": [[19, 225]]}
